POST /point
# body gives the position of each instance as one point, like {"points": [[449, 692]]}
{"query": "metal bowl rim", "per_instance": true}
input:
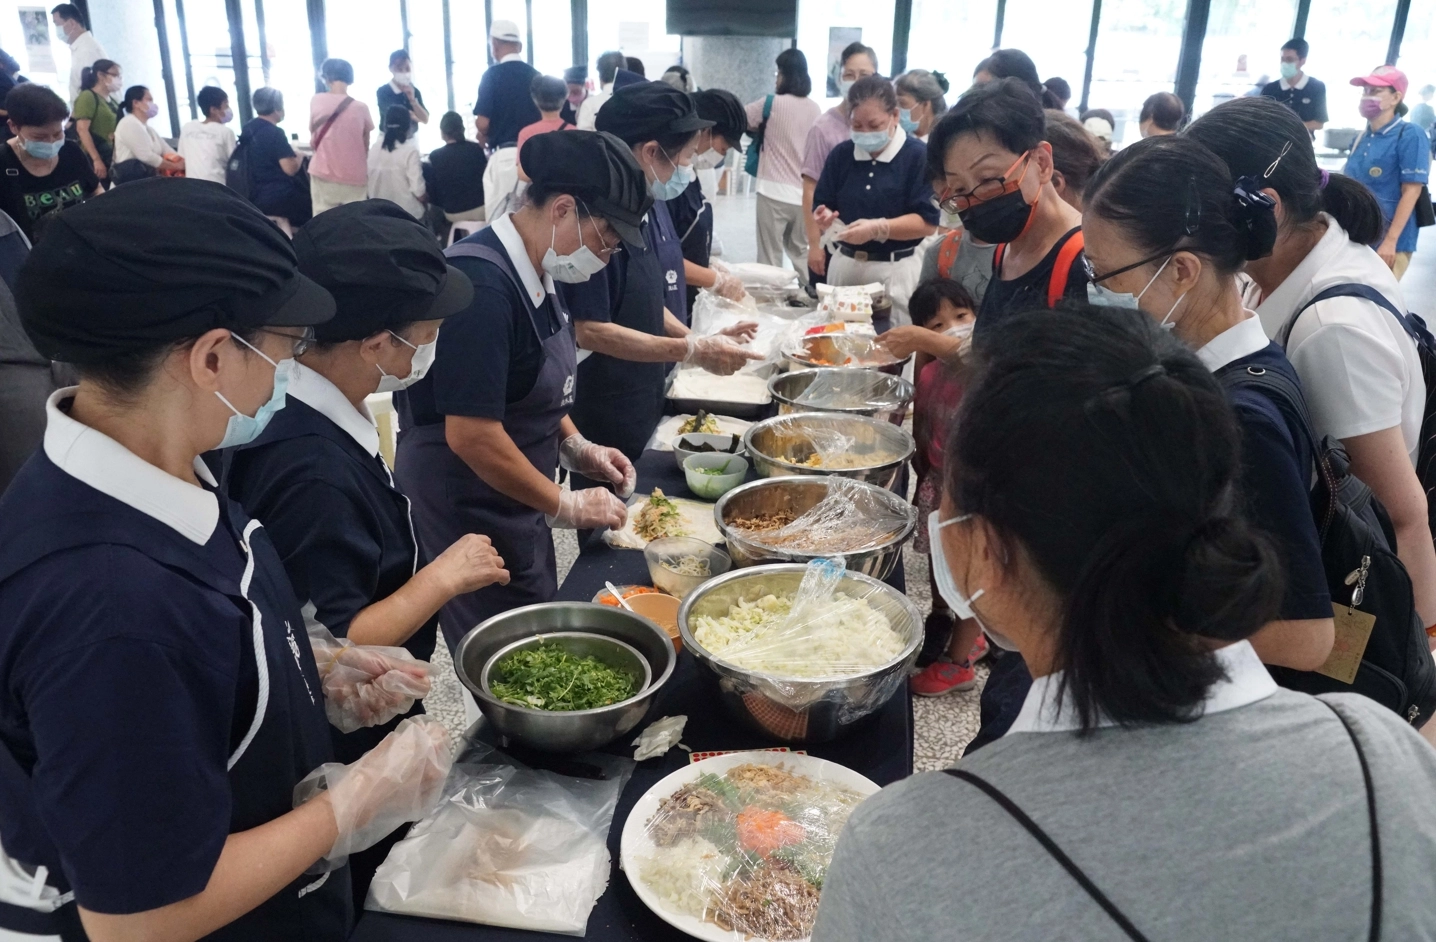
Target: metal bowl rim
{"points": [[900, 381], [729, 532], [904, 435]]}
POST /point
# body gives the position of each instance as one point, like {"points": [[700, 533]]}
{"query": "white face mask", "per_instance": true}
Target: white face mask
{"points": [[956, 599], [707, 160], [844, 85], [961, 331], [1100, 295], [403, 78], [419, 364], [575, 268]]}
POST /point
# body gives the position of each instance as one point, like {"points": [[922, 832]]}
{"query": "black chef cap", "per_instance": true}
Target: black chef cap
{"points": [[598, 169], [648, 111], [725, 111], [383, 267], [157, 261]]}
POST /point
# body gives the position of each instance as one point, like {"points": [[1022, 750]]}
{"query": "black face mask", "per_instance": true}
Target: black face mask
{"points": [[1000, 219]]}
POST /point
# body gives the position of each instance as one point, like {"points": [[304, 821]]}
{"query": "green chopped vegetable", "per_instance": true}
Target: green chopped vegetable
{"points": [[546, 677]]}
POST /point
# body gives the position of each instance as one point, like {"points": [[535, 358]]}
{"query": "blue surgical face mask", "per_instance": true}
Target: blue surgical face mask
{"points": [[905, 119], [957, 600], [1289, 70], [674, 186], [872, 141], [243, 429], [1097, 294], [43, 150]]}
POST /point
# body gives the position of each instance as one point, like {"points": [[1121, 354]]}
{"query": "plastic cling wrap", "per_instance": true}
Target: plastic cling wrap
{"points": [[745, 847], [851, 518], [510, 846], [851, 389]]}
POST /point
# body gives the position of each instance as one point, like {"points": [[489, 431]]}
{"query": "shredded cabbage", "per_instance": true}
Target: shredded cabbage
{"points": [[843, 635]]}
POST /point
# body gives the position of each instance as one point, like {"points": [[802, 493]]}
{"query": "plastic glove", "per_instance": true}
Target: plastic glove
{"points": [[590, 508], [397, 781], [598, 462], [729, 286], [717, 354], [824, 216], [365, 685], [865, 230], [468, 565], [741, 332]]}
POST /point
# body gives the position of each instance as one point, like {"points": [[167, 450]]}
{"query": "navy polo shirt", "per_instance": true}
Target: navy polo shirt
{"points": [[1277, 467], [872, 188], [598, 298], [1028, 292], [692, 217], [488, 354], [267, 146], [1308, 101], [388, 97], [505, 100]]}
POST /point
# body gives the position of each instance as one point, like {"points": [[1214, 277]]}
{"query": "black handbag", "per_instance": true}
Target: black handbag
{"points": [[1424, 213], [1362, 569]]}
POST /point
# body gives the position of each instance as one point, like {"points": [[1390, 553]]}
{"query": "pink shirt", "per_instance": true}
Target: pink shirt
{"points": [[781, 163], [827, 132], [342, 156], [542, 127]]}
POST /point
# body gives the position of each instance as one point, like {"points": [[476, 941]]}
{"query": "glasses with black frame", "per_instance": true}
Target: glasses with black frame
{"points": [[302, 343], [988, 189]]}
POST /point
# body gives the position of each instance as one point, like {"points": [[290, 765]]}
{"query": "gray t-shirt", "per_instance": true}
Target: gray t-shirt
{"points": [[972, 268], [1246, 824]]}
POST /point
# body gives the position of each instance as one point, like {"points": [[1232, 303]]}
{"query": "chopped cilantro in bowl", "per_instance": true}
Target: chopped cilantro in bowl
{"points": [[547, 677]]}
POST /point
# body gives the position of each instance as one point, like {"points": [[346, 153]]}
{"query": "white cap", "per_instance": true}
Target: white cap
{"points": [[1099, 127], [505, 31]]}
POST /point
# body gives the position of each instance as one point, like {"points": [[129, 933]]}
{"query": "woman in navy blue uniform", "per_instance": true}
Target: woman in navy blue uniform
{"points": [[631, 315], [160, 703], [315, 477], [690, 211], [484, 433]]}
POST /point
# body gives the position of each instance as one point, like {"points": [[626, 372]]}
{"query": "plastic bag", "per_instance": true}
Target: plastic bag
{"points": [[712, 314], [365, 685], [851, 518], [746, 846], [509, 846], [817, 339], [854, 389], [658, 737], [758, 275]]}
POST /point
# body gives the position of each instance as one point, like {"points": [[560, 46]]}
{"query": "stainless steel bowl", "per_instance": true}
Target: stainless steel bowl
{"points": [[780, 445], [797, 494], [801, 710], [883, 394], [579, 730], [825, 350], [619, 655]]}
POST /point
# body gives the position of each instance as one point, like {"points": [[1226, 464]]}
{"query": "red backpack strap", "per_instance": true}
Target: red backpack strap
{"points": [[947, 252], [1062, 268], [997, 259]]}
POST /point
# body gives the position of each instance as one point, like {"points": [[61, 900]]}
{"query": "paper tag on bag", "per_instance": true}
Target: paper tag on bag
{"points": [[1353, 630]]}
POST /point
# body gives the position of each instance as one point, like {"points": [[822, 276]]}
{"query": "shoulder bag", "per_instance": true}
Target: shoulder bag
{"points": [[329, 123], [755, 149]]}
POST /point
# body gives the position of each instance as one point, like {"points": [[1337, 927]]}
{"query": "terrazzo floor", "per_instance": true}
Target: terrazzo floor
{"points": [[943, 726]]}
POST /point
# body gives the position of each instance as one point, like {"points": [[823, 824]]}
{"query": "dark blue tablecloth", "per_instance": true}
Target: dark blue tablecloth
{"points": [[879, 747]]}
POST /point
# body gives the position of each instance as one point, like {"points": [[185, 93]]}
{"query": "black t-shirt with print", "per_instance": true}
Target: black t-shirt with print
{"points": [[26, 197], [1028, 292]]}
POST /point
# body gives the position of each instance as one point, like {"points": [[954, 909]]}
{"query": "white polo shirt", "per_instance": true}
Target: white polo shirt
{"points": [[1358, 368]]}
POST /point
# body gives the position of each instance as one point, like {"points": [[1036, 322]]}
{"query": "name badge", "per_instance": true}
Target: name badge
{"points": [[672, 276], [11, 172], [1353, 631]]}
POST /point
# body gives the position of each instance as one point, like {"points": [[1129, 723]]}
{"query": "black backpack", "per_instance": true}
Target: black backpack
{"points": [[1362, 569], [236, 172], [1420, 335]]}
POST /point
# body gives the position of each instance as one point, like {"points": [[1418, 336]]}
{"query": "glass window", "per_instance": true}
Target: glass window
{"points": [[211, 59], [553, 36], [364, 33], [953, 38], [1138, 43], [1054, 33], [1242, 51], [1350, 39], [1418, 58], [291, 60], [873, 17], [636, 27], [426, 52]]}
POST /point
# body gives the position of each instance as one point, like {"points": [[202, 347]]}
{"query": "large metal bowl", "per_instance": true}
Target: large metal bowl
{"points": [[885, 395], [579, 730], [801, 710], [780, 445], [830, 350], [797, 494]]}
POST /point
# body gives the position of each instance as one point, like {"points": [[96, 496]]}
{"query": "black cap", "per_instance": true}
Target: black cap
{"points": [[648, 111], [383, 267], [576, 73], [157, 261], [725, 111], [598, 169]]}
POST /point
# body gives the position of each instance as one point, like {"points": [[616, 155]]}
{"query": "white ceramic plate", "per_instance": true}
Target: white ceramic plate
{"points": [[635, 842]]}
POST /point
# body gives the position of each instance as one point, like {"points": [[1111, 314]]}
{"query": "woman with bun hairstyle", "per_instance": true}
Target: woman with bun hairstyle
{"points": [[920, 101], [1167, 233], [1359, 369], [1088, 521]]}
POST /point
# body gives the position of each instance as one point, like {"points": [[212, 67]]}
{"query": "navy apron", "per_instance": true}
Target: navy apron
{"points": [[620, 402], [696, 242], [287, 737], [450, 500]]}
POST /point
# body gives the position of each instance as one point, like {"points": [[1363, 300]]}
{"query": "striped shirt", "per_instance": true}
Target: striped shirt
{"points": [[781, 163], [827, 132]]}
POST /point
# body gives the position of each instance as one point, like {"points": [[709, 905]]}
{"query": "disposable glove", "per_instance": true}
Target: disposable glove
{"points": [[865, 230], [729, 286], [590, 508], [717, 354], [365, 685], [598, 462], [396, 782]]}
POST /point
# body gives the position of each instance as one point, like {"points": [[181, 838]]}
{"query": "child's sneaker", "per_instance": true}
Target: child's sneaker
{"points": [[979, 650], [944, 677]]}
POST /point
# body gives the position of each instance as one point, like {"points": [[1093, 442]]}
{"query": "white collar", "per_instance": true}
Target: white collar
{"points": [[1298, 286], [512, 57], [96, 459], [538, 287], [396, 87], [1287, 86], [898, 139], [605, 88], [315, 390], [1242, 339], [1246, 682]]}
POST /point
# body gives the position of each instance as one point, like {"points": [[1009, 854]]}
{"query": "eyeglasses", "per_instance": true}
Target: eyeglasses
{"points": [[988, 189], [302, 343], [1097, 279], [608, 250]]}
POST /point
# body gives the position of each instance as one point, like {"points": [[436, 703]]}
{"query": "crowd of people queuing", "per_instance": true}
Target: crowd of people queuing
{"points": [[1160, 391]]}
